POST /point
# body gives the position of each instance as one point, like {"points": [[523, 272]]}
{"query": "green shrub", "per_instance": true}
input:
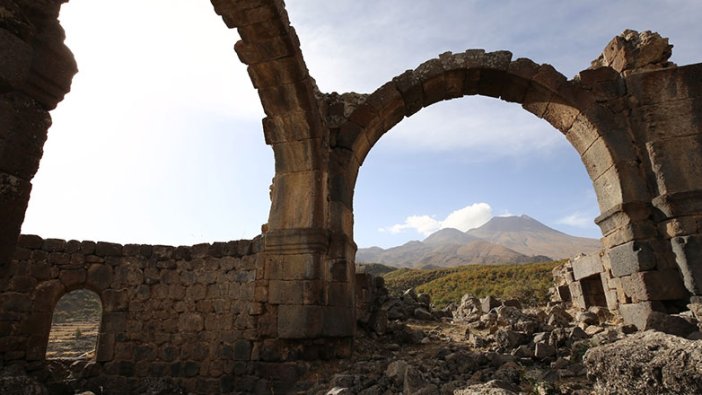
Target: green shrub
{"points": [[527, 282]]}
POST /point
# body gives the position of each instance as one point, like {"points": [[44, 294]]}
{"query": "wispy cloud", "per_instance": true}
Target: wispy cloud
{"points": [[481, 127], [468, 217], [577, 219]]}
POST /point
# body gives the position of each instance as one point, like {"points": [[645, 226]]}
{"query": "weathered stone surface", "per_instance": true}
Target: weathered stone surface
{"points": [[631, 257], [632, 50], [647, 363]]}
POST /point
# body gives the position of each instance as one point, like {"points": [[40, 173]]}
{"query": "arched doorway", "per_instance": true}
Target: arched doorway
{"points": [[75, 326]]}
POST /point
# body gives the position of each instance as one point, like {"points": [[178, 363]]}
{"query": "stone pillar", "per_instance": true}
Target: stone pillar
{"points": [[36, 70]]}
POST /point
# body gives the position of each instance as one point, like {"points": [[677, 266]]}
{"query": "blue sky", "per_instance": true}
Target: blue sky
{"points": [[160, 140]]}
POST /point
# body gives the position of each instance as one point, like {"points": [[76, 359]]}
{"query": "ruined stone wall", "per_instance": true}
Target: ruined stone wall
{"points": [[668, 120], [189, 313]]}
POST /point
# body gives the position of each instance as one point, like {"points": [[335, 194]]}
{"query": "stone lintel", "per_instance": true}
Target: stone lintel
{"points": [[587, 265], [679, 204]]}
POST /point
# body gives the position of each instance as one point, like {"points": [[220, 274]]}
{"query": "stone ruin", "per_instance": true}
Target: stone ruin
{"points": [[236, 316]]}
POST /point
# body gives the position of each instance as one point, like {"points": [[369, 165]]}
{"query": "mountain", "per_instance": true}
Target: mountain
{"points": [[530, 237], [501, 240], [445, 248]]}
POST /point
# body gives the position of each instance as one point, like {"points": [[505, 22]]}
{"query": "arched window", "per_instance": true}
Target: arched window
{"points": [[75, 326]]}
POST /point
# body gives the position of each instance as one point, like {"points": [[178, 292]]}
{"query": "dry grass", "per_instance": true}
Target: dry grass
{"points": [[72, 340]]}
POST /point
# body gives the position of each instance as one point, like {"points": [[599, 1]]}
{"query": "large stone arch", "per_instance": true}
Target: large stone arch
{"points": [[589, 110], [567, 105]]}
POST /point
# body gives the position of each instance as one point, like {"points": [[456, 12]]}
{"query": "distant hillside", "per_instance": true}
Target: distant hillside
{"points": [[375, 269], [530, 237], [78, 306], [527, 282]]}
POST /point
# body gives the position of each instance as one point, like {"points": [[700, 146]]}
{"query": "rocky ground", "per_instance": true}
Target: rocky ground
{"points": [[490, 346]]}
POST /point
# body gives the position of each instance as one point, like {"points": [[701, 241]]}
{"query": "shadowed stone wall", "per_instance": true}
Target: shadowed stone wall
{"points": [[191, 313]]}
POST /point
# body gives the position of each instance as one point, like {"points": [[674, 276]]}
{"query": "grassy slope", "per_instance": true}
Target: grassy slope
{"points": [[527, 282]]}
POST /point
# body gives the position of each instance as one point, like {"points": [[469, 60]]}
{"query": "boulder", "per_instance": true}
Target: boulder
{"points": [[647, 363], [670, 324], [396, 371], [421, 313], [488, 303], [468, 310]]}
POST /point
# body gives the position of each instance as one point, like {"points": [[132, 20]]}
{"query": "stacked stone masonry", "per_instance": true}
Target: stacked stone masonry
{"points": [[634, 118]]}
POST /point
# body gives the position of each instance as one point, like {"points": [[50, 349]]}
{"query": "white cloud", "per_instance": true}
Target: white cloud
{"points": [[423, 224], [468, 217], [577, 219]]}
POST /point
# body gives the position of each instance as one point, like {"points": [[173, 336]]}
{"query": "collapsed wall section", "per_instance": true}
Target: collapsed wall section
{"points": [[188, 313]]}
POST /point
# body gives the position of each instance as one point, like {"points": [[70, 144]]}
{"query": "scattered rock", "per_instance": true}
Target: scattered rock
{"points": [[396, 371], [544, 350], [421, 313]]}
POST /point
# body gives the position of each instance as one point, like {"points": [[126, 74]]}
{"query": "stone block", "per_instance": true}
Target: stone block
{"points": [[299, 322], [115, 300], [586, 266], [294, 267], [295, 200], [410, 88], [114, 322], [631, 257], [277, 72], [285, 292], [31, 242], [670, 324], [190, 322], [655, 285], [105, 348], [242, 350], [99, 276], [339, 321], [291, 126], [576, 295], [677, 163], [688, 256], [108, 249], [72, 278], [637, 313], [339, 294], [488, 303]]}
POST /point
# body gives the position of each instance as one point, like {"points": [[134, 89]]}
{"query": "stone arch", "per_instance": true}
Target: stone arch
{"points": [[567, 105], [94, 319], [45, 296]]}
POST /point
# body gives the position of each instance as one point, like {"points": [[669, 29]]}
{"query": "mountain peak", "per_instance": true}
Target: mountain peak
{"points": [[522, 223], [529, 236], [448, 236]]}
